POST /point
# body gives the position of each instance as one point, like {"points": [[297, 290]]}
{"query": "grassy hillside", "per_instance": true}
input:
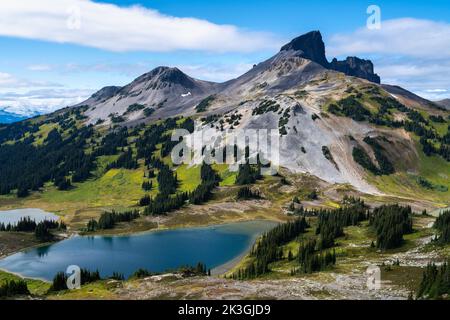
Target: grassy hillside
{"points": [[117, 186], [36, 287], [433, 169]]}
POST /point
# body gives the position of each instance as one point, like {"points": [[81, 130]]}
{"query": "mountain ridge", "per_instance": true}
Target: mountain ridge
{"points": [[339, 128], [444, 103], [298, 61], [322, 114], [312, 47]]}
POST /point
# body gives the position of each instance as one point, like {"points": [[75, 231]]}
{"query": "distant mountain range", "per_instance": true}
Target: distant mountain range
{"points": [[10, 117]]}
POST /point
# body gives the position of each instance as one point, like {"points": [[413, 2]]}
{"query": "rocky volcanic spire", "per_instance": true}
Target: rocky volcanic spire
{"points": [[311, 47], [356, 67]]}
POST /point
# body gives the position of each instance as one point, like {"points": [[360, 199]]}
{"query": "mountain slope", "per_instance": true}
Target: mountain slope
{"points": [[410, 99], [171, 92], [444, 103], [342, 127], [162, 88], [301, 83], [307, 130]]}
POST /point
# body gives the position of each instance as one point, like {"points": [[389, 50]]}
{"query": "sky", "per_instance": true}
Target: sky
{"points": [[56, 53]]}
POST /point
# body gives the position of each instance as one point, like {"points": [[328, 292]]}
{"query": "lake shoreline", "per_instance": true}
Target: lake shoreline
{"points": [[126, 233], [242, 227], [230, 265]]}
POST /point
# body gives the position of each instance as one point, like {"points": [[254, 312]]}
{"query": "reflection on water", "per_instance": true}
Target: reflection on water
{"points": [[155, 251], [42, 251]]}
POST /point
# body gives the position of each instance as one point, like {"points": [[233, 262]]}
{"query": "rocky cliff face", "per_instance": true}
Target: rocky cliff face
{"points": [[356, 67], [311, 46], [102, 95]]}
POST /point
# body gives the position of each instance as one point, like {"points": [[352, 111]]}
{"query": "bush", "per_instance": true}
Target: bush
{"points": [[142, 273], [134, 107], [13, 288], [247, 193], [148, 112], [362, 158], [109, 219], [60, 279]]}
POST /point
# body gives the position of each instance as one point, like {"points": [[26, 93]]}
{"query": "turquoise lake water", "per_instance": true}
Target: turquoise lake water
{"points": [[156, 251]]}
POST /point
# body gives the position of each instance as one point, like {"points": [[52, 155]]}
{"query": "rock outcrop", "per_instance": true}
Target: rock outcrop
{"points": [[102, 95], [356, 67], [311, 46]]}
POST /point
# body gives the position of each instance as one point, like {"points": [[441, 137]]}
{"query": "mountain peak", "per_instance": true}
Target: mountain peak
{"points": [[165, 70], [105, 92], [168, 75], [310, 46], [156, 72]]}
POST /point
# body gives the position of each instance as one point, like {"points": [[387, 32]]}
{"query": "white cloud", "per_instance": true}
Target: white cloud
{"points": [[414, 68], [412, 53], [6, 79], [128, 69], [213, 71], [428, 79], [28, 97], [110, 27], [436, 90], [39, 67], [41, 101], [405, 36], [9, 81], [216, 72]]}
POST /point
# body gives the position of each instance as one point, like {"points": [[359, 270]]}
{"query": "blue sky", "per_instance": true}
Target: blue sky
{"points": [[58, 52]]}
